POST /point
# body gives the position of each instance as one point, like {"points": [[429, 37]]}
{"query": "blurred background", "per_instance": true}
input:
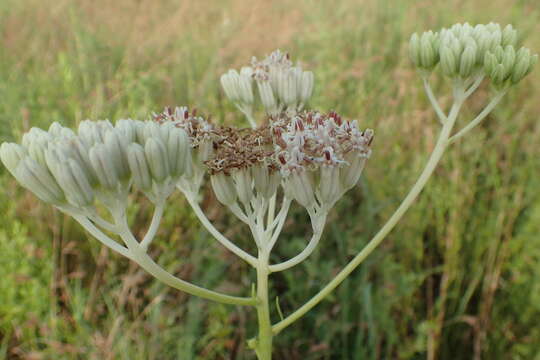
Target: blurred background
{"points": [[459, 278]]}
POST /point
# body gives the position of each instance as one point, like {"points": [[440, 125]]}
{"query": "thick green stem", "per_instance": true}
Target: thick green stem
{"points": [[263, 344]]}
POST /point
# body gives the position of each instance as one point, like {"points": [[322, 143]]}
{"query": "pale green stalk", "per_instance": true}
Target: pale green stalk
{"points": [[138, 255], [218, 235], [479, 118], [433, 100], [318, 227], [154, 225]]}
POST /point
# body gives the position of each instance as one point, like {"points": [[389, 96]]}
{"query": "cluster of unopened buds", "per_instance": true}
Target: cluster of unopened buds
{"points": [[314, 157]]}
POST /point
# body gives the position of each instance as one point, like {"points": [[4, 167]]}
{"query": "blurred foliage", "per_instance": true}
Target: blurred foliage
{"points": [[458, 279]]}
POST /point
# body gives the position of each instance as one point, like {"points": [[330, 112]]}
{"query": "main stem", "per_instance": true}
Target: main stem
{"points": [[263, 343]]}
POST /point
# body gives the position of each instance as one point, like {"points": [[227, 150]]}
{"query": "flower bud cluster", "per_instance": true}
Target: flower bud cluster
{"points": [[99, 161], [464, 51], [281, 85], [506, 66], [321, 156]]}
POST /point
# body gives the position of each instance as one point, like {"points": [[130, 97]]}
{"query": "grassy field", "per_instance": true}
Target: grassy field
{"points": [[458, 279]]}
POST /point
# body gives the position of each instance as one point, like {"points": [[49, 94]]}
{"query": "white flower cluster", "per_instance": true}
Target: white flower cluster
{"points": [[281, 85], [321, 156], [464, 51], [100, 161]]}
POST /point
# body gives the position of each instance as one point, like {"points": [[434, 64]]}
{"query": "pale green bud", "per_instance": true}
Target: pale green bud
{"points": [[55, 129], [498, 75], [75, 184], [179, 151], [116, 147], [138, 166], [509, 59], [104, 167], [490, 61], [156, 156], [266, 182], [38, 180], [229, 82], [300, 184], [224, 188], [306, 89], [449, 64], [350, 174], [428, 55], [243, 184], [495, 39], [329, 184], [152, 130], [287, 87], [414, 49], [93, 132], [524, 65], [245, 85], [468, 60], [267, 97], [127, 128], [11, 155], [509, 36]]}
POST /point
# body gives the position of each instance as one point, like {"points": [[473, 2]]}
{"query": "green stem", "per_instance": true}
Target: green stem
{"points": [[436, 155], [263, 344]]}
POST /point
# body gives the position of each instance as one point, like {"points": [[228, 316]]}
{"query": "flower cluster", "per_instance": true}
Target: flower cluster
{"points": [[464, 51], [281, 85], [243, 165], [321, 156], [100, 161]]}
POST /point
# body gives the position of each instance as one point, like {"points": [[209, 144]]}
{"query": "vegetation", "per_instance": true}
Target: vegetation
{"points": [[459, 278]]}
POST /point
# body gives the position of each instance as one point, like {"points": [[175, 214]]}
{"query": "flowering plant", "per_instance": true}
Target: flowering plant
{"points": [[296, 153]]}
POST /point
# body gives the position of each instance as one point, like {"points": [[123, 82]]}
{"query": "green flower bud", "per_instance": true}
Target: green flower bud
{"points": [[75, 183], [329, 185], [523, 66], [414, 49], [300, 187], [509, 36], [116, 147], [243, 183], [229, 82], [306, 88], [287, 87], [468, 60], [179, 151], [498, 75], [104, 167], [350, 174], [267, 97], [428, 54], [224, 188], [38, 180], [245, 85], [128, 129], [490, 61], [11, 155], [266, 182], [138, 166], [509, 59], [449, 64], [156, 156]]}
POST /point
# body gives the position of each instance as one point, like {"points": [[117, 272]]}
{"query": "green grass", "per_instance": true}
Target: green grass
{"points": [[459, 278]]}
